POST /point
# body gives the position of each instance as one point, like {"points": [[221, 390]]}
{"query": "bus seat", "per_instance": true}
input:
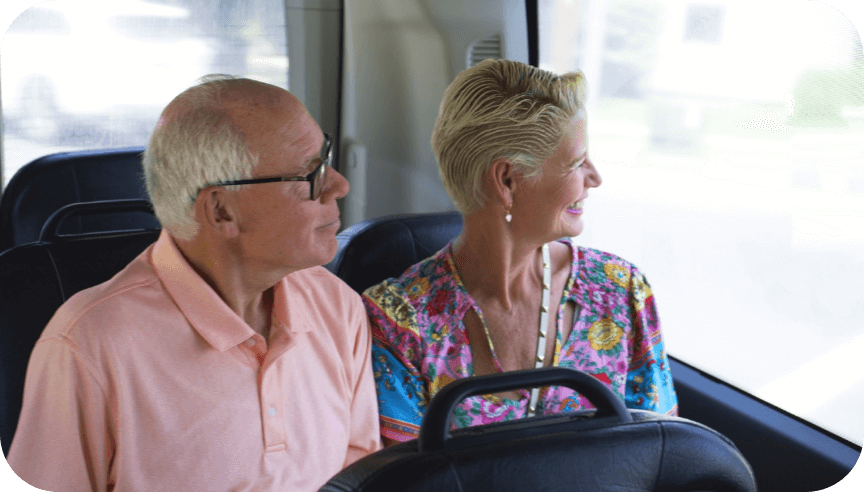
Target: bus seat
{"points": [[35, 279], [48, 183], [612, 448], [383, 247]]}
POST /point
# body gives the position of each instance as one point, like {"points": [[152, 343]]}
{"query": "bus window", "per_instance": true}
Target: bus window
{"points": [[730, 135], [90, 74]]}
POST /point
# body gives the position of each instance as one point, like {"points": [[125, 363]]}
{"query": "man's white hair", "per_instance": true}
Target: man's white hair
{"points": [[194, 143]]}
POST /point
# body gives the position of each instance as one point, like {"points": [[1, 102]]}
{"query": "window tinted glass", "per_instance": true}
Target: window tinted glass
{"points": [[730, 137], [89, 74]]}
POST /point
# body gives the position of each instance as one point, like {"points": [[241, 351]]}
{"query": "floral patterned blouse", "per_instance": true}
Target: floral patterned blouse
{"points": [[420, 343]]}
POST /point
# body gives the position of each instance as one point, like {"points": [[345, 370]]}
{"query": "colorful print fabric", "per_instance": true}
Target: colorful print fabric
{"points": [[420, 344]]}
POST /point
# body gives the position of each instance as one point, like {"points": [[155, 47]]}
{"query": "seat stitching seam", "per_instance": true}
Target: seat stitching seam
{"points": [[57, 272]]}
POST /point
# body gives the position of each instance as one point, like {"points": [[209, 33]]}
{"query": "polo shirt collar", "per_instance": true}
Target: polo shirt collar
{"points": [[290, 314], [206, 311]]}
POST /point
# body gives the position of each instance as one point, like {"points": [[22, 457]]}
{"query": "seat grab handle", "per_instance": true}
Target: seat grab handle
{"points": [[435, 429], [51, 228]]}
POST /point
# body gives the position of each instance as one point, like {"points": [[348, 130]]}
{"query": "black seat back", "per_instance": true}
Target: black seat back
{"points": [[45, 185], [383, 247], [610, 449], [35, 279]]}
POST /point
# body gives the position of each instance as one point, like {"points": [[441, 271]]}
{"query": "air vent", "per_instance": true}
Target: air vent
{"points": [[484, 48]]}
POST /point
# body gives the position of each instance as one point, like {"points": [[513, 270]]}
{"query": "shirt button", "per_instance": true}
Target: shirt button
{"points": [[250, 342], [272, 411]]}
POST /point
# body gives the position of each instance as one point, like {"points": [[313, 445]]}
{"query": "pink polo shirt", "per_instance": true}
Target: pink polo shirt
{"points": [[150, 382]]}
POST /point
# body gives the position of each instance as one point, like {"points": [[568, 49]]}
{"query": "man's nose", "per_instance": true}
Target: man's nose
{"points": [[336, 187]]}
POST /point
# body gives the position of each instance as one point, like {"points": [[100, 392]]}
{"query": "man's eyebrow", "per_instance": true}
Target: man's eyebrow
{"points": [[309, 164]]}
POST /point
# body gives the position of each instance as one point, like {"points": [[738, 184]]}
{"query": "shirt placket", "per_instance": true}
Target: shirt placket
{"points": [[270, 394]]}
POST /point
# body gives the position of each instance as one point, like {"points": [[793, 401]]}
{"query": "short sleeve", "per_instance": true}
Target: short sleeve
{"points": [[396, 353], [649, 379], [401, 396], [64, 439], [365, 437]]}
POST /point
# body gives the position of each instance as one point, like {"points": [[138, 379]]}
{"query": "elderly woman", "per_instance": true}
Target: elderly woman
{"points": [[512, 291]]}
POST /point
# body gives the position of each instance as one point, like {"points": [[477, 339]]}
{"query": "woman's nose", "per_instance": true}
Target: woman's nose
{"points": [[592, 178]]}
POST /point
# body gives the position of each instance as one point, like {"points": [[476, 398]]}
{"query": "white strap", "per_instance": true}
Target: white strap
{"points": [[544, 328]]}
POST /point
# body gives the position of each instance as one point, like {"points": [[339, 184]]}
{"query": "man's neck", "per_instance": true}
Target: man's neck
{"points": [[251, 301]]}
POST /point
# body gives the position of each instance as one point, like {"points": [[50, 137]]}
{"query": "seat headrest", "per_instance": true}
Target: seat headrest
{"points": [[45, 185], [376, 249]]}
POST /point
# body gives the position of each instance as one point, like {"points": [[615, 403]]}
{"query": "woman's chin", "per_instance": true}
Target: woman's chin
{"points": [[573, 226], [575, 232]]}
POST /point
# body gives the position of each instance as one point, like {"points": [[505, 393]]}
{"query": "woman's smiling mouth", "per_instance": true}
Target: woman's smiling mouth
{"points": [[575, 208]]}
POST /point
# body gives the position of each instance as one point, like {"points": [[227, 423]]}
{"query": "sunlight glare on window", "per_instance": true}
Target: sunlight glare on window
{"points": [[730, 138], [91, 74]]}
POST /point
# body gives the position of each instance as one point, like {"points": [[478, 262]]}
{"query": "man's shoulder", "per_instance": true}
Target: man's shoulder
{"points": [[318, 288], [107, 303], [328, 304]]}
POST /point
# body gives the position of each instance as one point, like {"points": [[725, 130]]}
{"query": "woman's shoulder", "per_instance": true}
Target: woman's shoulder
{"points": [[605, 269], [419, 280], [596, 257], [425, 296]]}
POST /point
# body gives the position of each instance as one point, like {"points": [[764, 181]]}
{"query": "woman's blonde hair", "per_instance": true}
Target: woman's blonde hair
{"points": [[501, 109], [195, 142]]}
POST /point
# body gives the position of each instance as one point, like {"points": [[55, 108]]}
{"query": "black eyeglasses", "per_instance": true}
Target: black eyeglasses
{"points": [[316, 178]]}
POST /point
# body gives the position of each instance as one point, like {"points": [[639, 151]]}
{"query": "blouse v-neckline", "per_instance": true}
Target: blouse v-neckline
{"points": [[559, 344]]}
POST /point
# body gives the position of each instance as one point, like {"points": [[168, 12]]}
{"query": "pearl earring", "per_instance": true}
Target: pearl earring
{"points": [[507, 215]]}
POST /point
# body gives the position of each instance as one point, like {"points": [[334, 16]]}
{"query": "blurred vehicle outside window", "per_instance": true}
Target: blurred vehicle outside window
{"points": [[730, 137], [90, 74]]}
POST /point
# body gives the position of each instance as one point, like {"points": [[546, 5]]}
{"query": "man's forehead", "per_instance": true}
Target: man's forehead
{"points": [[255, 99], [266, 113], [289, 143], [236, 98], [253, 92]]}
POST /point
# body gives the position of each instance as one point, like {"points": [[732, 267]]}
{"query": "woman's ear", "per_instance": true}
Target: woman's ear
{"points": [[502, 181], [217, 212]]}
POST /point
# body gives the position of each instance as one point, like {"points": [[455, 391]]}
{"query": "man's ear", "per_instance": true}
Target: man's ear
{"points": [[501, 178], [217, 212]]}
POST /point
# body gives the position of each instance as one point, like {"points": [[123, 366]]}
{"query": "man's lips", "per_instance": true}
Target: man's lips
{"points": [[334, 223]]}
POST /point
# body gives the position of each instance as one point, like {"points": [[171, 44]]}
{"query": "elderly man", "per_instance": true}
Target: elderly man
{"points": [[224, 357]]}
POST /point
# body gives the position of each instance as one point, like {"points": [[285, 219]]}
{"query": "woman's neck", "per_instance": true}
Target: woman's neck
{"points": [[496, 264]]}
